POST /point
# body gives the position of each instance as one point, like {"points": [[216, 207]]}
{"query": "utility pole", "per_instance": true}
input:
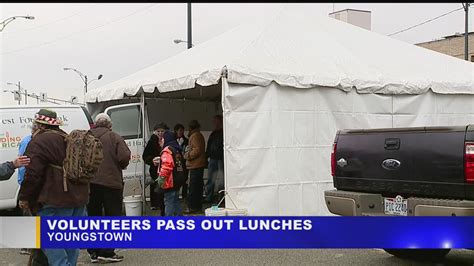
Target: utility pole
{"points": [[26, 93], [19, 93], [190, 35], [466, 32]]}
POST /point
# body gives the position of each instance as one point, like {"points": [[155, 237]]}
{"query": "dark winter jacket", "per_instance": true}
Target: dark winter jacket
{"points": [[215, 145], [169, 139], [184, 144], [6, 170], [43, 184], [151, 151], [116, 158]]}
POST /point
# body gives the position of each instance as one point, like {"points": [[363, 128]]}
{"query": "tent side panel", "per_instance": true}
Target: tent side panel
{"points": [[279, 139], [432, 109]]}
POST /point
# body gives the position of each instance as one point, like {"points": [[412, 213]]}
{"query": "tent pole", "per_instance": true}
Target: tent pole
{"points": [[224, 89], [142, 107]]}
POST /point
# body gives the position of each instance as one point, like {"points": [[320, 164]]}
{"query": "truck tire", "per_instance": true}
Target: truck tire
{"points": [[419, 254]]}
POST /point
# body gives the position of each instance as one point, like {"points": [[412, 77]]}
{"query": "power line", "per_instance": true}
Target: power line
{"points": [[424, 22], [49, 23], [48, 99], [81, 31]]}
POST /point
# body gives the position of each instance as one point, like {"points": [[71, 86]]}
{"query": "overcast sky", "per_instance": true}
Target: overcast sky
{"points": [[119, 39]]}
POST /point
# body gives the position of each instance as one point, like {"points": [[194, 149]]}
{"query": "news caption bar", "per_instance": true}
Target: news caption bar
{"points": [[237, 232]]}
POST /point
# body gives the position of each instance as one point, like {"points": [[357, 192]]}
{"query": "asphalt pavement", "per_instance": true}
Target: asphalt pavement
{"points": [[248, 257]]}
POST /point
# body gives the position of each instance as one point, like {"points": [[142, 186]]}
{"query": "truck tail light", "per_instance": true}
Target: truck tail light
{"points": [[333, 159], [469, 162]]}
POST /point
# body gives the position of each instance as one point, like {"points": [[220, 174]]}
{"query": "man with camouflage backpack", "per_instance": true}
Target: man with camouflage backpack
{"points": [[53, 185]]}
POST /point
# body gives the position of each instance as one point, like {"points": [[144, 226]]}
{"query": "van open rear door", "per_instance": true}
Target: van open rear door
{"points": [[126, 121]]}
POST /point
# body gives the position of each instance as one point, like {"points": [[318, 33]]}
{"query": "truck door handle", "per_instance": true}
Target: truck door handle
{"points": [[392, 144]]}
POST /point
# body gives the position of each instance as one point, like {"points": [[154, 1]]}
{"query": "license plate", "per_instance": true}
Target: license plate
{"points": [[396, 206]]}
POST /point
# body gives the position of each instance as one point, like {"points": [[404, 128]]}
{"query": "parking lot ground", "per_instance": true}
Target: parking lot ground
{"points": [[255, 257]]}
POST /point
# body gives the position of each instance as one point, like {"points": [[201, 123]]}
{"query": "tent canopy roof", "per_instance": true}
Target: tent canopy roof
{"points": [[297, 48]]}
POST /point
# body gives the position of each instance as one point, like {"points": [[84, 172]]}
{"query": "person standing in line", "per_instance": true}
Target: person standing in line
{"points": [[171, 173], [215, 153], [8, 168], [45, 188], [151, 152], [183, 142], [21, 150], [195, 156], [106, 187], [21, 172]]}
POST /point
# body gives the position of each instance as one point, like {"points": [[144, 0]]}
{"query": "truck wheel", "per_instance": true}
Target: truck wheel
{"points": [[419, 254]]}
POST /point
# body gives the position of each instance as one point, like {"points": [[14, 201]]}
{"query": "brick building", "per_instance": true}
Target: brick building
{"points": [[452, 45]]}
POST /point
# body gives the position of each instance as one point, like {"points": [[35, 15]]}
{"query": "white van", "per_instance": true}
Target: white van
{"points": [[15, 124]]}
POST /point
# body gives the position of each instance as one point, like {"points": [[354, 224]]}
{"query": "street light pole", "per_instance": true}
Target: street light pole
{"points": [[84, 78], [85, 82], [190, 35], [26, 97], [190, 31], [180, 41], [466, 32], [4, 23], [19, 93]]}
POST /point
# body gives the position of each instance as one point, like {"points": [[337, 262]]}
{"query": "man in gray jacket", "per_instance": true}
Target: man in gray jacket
{"points": [[8, 168], [106, 187]]}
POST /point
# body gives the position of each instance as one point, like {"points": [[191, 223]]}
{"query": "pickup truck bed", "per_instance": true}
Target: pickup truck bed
{"points": [[430, 162], [428, 168]]}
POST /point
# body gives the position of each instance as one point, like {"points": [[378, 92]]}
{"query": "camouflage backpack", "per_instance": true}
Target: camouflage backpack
{"points": [[83, 157]]}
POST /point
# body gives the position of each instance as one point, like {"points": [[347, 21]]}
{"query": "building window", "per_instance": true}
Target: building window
{"points": [[472, 58]]}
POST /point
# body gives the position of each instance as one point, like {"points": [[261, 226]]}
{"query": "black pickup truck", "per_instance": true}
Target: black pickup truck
{"points": [[423, 171]]}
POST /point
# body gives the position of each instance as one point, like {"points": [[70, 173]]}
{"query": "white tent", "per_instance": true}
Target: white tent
{"points": [[287, 82]]}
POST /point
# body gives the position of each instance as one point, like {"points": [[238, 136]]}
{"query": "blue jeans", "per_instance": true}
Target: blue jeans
{"points": [[59, 257], [196, 185], [172, 204], [214, 167]]}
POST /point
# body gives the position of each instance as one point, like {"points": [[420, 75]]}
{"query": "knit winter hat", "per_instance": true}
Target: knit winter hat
{"points": [[103, 116], [169, 139], [47, 117]]}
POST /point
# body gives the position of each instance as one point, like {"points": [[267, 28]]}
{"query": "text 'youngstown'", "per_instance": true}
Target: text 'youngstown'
{"points": [[89, 236]]}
